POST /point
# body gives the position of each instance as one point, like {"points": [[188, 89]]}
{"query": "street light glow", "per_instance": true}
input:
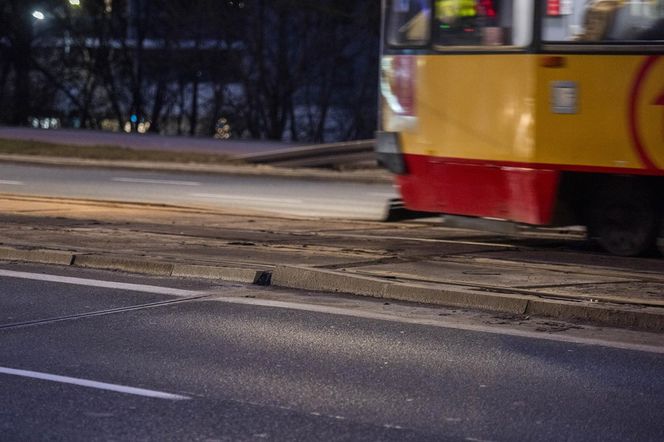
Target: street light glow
{"points": [[75, 2], [38, 15]]}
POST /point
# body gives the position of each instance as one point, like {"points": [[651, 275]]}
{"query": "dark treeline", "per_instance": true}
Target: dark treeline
{"points": [[303, 70]]}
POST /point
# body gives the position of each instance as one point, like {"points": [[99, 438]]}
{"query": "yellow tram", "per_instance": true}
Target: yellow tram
{"points": [[534, 111]]}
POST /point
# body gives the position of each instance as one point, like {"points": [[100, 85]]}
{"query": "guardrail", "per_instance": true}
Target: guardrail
{"points": [[260, 152], [320, 155]]}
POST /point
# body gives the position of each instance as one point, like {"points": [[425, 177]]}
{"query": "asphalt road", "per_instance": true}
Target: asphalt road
{"points": [[281, 196], [83, 357]]}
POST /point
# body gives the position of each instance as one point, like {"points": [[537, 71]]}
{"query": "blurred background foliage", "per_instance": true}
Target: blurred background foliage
{"points": [[296, 70]]}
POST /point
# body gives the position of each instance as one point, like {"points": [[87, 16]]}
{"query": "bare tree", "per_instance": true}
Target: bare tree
{"points": [[301, 58], [297, 69], [16, 20]]}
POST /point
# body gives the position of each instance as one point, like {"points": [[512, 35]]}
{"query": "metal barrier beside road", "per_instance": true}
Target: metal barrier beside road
{"points": [[321, 155], [250, 151]]}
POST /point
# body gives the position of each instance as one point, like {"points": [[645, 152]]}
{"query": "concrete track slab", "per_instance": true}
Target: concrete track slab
{"points": [[582, 254], [410, 261], [479, 275], [647, 292]]}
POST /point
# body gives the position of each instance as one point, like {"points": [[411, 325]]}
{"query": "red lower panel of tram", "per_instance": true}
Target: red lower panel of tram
{"points": [[479, 188]]}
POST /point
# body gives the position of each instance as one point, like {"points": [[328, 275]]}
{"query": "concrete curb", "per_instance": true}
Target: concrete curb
{"points": [[133, 265], [642, 318], [322, 280], [123, 264], [339, 282], [359, 176], [632, 316], [231, 274], [37, 256]]}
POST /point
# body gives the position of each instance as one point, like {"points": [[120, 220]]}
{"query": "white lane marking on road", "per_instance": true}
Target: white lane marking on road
{"points": [[222, 196], [148, 181], [92, 384], [441, 323], [99, 283], [12, 183]]}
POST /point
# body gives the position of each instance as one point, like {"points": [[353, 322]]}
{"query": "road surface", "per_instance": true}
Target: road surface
{"points": [[87, 355], [281, 196]]}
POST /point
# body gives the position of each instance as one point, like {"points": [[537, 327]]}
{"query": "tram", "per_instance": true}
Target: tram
{"points": [[539, 112]]}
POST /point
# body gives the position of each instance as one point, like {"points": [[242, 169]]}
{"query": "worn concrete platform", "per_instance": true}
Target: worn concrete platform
{"points": [[553, 274]]}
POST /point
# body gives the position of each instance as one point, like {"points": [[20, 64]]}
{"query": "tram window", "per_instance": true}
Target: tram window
{"points": [[483, 22], [603, 21], [408, 22]]}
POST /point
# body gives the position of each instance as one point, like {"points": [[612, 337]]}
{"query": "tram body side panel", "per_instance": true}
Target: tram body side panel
{"points": [[471, 149], [474, 107], [588, 115]]}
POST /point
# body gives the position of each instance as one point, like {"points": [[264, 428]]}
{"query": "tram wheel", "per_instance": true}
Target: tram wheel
{"points": [[625, 223]]}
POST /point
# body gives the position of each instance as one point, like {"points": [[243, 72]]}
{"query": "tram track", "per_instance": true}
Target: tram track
{"points": [[644, 276], [422, 255], [371, 250]]}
